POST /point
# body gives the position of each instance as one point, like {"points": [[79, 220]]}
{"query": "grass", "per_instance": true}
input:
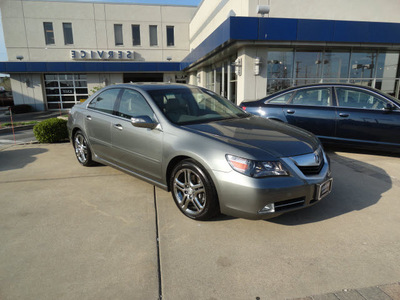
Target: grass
{"points": [[8, 124]]}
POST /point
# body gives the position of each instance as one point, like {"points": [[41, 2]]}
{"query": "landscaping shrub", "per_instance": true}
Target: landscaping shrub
{"points": [[51, 131]]}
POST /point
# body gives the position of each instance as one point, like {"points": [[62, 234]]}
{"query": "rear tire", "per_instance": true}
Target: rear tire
{"points": [[82, 149], [193, 191]]}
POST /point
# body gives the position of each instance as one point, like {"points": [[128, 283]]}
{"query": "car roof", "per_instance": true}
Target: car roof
{"points": [[323, 84], [149, 86]]}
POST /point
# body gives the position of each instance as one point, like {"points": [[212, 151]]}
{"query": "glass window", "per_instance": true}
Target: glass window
{"points": [[68, 37], [282, 99], [194, 105], [210, 82], [313, 96], [48, 33], [387, 65], [133, 104], [362, 65], [170, 36], [65, 89], [153, 35], [119, 41], [359, 99], [105, 101], [279, 68], [136, 35], [335, 64], [308, 64], [280, 64]]}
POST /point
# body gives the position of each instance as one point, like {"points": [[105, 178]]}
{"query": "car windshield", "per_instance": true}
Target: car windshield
{"points": [[184, 106]]}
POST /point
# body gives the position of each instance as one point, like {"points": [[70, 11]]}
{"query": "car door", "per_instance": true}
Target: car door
{"points": [[137, 149], [362, 117], [98, 122], [312, 109]]}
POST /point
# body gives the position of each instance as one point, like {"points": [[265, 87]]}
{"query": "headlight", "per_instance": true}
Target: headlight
{"points": [[256, 169]]}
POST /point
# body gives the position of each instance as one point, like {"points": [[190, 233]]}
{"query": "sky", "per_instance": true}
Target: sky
{"points": [[3, 52]]}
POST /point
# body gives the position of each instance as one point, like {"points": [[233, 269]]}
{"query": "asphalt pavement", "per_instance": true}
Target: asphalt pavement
{"points": [[70, 232]]}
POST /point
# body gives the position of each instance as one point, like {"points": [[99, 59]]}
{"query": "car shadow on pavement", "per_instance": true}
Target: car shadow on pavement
{"points": [[18, 158], [356, 186]]}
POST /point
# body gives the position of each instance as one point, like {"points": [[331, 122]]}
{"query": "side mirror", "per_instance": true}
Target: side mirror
{"points": [[144, 122], [388, 107]]}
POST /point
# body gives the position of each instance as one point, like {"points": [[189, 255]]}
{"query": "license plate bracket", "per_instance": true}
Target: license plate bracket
{"points": [[323, 189]]}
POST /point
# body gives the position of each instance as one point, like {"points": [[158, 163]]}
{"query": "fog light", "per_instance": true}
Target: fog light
{"points": [[269, 208]]}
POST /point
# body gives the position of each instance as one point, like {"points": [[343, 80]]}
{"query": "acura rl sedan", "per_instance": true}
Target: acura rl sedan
{"points": [[342, 114], [212, 156]]}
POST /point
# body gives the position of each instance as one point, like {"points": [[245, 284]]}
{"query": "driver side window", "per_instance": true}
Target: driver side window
{"points": [[133, 104]]}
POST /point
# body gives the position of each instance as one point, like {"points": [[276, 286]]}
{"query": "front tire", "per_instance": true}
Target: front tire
{"points": [[193, 191], [82, 149]]}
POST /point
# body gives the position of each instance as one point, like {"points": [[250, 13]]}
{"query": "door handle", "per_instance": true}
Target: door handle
{"points": [[118, 126], [343, 115], [89, 118], [290, 111]]}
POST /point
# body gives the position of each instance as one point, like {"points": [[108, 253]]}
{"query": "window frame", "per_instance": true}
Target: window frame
{"points": [[168, 32], [154, 31], [49, 38], [67, 32], [118, 34], [136, 26]]}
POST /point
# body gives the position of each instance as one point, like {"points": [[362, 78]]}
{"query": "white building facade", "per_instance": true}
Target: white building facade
{"points": [[60, 52]]}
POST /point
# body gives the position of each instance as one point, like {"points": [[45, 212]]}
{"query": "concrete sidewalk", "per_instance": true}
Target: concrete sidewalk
{"points": [[69, 232]]}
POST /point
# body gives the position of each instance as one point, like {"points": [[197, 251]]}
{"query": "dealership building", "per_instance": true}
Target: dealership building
{"points": [[60, 52]]}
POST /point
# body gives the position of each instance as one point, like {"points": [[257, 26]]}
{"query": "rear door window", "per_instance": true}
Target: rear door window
{"points": [[313, 97], [282, 99]]}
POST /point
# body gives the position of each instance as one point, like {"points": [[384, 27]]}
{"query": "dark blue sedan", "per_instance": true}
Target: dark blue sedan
{"points": [[337, 113]]}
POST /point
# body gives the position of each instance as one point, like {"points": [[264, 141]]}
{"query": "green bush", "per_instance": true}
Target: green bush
{"points": [[51, 131]]}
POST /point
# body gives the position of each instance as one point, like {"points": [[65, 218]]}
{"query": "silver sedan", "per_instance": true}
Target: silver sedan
{"points": [[212, 156]]}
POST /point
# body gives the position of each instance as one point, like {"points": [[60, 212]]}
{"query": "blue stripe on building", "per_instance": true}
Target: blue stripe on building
{"points": [[235, 29]]}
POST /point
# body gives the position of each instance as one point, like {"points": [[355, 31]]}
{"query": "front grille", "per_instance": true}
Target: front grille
{"points": [[289, 204], [311, 170]]}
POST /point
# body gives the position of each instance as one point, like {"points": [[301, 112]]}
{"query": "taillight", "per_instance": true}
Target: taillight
{"points": [[244, 107]]}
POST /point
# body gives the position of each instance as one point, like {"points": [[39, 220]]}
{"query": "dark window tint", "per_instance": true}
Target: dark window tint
{"points": [[314, 97], [170, 36], [119, 41], [359, 99], [105, 101], [153, 35], [136, 35], [68, 37], [133, 104], [48, 33]]}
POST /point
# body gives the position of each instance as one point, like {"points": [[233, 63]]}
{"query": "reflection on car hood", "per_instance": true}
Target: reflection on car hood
{"points": [[276, 138]]}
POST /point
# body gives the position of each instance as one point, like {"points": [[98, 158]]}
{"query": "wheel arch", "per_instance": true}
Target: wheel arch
{"points": [[171, 165]]}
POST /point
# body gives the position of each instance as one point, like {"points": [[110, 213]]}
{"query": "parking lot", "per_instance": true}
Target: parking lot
{"points": [[69, 232]]}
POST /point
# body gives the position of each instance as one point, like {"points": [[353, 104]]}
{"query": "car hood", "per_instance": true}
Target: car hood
{"points": [[275, 138]]}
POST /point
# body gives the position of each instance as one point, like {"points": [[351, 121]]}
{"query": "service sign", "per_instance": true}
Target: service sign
{"points": [[102, 55]]}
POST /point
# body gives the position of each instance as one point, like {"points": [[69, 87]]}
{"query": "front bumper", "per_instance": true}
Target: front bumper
{"points": [[246, 197]]}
